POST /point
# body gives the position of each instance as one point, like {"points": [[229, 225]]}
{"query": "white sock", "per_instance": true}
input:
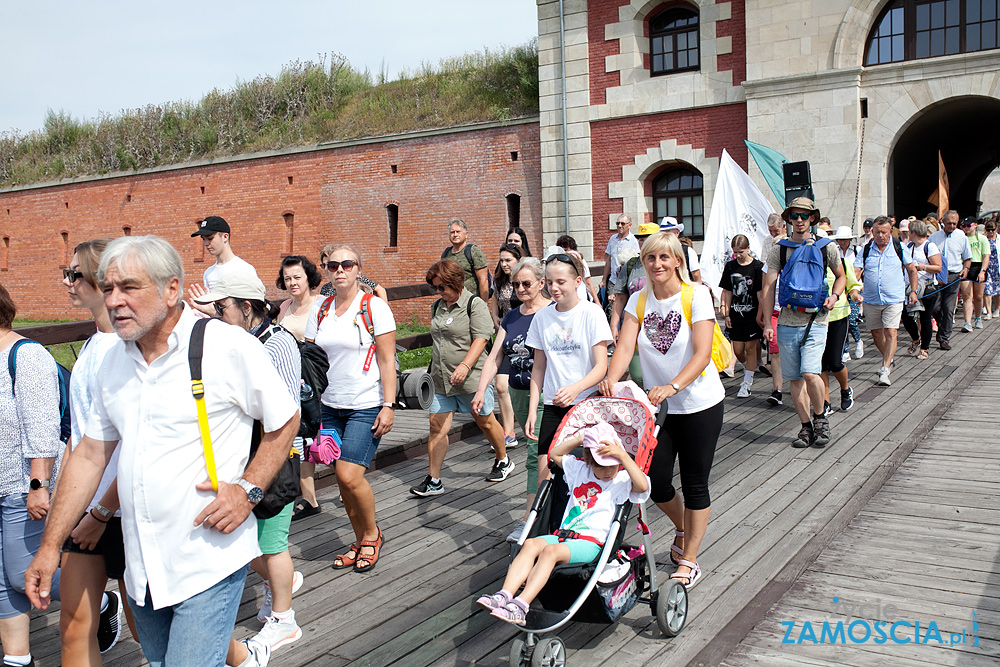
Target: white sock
{"points": [[284, 615], [104, 604], [435, 480], [16, 660], [505, 460], [748, 377]]}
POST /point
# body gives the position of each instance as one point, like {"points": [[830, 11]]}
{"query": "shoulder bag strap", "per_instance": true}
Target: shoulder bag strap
{"points": [[195, 351]]}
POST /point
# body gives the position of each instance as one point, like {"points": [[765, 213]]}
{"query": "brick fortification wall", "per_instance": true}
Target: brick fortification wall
{"points": [[289, 203]]}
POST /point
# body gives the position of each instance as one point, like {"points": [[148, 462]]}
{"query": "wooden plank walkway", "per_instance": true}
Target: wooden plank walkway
{"points": [[926, 543], [775, 509]]}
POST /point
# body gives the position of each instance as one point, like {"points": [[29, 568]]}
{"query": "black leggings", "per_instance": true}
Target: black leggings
{"points": [[692, 439], [925, 331], [551, 416]]}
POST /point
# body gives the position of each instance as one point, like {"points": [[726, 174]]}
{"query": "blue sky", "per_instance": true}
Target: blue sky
{"points": [[108, 55]]}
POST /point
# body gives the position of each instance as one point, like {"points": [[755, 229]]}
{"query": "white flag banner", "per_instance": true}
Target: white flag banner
{"points": [[738, 207]]}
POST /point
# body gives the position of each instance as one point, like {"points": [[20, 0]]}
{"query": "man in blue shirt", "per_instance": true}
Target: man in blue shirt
{"points": [[883, 265]]}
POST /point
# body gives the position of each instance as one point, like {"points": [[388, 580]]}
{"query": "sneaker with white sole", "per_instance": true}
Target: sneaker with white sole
{"points": [[883, 377], [510, 441], [515, 534], [744, 391], [265, 609], [427, 488], [967, 327], [260, 654], [827, 409], [500, 471], [277, 632], [109, 626], [979, 323], [859, 350], [846, 399], [846, 357], [775, 397]]}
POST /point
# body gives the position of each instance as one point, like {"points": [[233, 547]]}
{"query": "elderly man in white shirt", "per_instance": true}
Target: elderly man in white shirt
{"points": [[624, 243], [186, 546]]}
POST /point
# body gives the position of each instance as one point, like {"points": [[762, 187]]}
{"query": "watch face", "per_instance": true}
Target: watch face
{"points": [[255, 495], [35, 484]]}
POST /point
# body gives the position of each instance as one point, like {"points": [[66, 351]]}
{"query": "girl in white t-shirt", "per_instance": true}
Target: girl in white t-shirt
{"points": [[95, 550], [358, 401], [605, 477], [675, 348], [570, 339]]}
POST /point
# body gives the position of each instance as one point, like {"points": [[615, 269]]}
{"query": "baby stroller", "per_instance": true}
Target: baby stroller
{"points": [[623, 575]]}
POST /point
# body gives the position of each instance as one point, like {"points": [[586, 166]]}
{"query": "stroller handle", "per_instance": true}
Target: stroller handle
{"points": [[661, 417]]}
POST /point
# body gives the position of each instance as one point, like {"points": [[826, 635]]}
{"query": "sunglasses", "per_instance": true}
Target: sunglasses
{"points": [[512, 248], [348, 264], [523, 284], [799, 216], [438, 288], [220, 309], [71, 275], [624, 224], [565, 259]]}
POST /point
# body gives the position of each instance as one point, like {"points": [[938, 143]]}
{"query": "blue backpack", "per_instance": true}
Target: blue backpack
{"points": [[65, 420], [802, 284]]}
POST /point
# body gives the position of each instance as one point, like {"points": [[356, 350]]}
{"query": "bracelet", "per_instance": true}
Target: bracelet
{"points": [[466, 365], [98, 519]]}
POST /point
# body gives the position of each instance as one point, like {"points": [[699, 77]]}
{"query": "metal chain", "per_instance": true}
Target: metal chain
{"points": [[857, 191]]}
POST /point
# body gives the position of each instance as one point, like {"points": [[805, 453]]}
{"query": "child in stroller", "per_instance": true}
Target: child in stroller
{"points": [[605, 477]]}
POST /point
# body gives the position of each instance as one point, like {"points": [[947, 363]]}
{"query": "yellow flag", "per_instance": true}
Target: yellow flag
{"points": [[940, 196]]}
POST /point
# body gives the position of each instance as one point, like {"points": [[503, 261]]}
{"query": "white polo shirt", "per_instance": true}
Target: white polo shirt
{"points": [[150, 409], [615, 245]]}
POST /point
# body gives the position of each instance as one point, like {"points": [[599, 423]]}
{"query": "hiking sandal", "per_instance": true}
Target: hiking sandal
{"points": [[369, 560], [914, 346], [692, 577], [674, 549], [923, 355], [346, 560]]}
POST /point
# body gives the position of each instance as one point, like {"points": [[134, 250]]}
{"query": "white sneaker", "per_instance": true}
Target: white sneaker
{"points": [[276, 632], [883, 377], [265, 609], [859, 350], [846, 357], [260, 654], [744, 391]]}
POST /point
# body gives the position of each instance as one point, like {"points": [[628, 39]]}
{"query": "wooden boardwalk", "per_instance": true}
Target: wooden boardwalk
{"points": [[776, 513]]}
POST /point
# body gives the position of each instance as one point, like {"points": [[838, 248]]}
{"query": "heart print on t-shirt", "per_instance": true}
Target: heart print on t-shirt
{"points": [[662, 331]]}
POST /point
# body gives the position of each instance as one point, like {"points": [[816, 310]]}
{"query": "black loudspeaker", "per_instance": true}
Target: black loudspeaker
{"points": [[798, 181]]}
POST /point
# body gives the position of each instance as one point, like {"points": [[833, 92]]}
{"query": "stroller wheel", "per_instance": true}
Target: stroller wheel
{"points": [[517, 653], [549, 652], [671, 608]]}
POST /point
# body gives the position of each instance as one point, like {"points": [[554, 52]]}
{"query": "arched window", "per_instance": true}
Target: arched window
{"points": [[914, 29], [673, 40], [677, 192]]}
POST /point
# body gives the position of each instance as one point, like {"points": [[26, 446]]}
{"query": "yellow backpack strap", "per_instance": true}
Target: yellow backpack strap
{"points": [[687, 299], [640, 312], [195, 351]]}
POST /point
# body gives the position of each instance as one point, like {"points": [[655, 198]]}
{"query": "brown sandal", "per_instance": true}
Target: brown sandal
{"points": [[370, 561], [345, 560]]}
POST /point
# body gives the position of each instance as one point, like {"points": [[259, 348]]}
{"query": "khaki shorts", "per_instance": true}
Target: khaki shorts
{"points": [[883, 317]]}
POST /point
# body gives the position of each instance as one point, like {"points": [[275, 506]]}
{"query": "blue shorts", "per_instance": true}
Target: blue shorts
{"points": [[580, 551], [798, 358], [355, 430], [461, 403]]}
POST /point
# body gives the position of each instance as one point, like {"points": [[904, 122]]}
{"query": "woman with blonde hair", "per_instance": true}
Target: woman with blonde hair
{"points": [[672, 321]]}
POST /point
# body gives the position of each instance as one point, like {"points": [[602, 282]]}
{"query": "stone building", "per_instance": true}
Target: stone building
{"points": [[867, 91]]}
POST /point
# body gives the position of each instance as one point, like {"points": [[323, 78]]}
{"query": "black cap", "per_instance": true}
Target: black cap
{"points": [[970, 221], [211, 225]]}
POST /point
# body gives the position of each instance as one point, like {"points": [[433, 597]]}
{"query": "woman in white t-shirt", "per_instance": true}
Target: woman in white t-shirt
{"points": [[95, 550], [675, 349], [570, 339], [358, 401]]}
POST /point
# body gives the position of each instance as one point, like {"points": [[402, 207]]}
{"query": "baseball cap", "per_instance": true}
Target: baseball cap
{"points": [[211, 225], [595, 437], [241, 285], [647, 228]]}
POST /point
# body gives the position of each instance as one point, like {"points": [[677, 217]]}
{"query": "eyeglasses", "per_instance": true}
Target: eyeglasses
{"points": [[799, 216], [523, 284], [220, 309], [438, 288], [348, 264], [71, 275]]}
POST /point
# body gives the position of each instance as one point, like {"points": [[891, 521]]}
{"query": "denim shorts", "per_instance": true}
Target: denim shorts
{"points": [[462, 403], [20, 538], [798, 358], [355, 430], [580, 551]]}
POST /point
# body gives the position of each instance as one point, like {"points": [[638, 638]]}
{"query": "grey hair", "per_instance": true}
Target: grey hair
{"points": [[775, 220], [950, 212], [153, 254], [460, 223], [531, 264], [919, 227], [626, 217]]}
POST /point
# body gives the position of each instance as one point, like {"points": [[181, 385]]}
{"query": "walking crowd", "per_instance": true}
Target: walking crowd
{"points": [[183, 445]]}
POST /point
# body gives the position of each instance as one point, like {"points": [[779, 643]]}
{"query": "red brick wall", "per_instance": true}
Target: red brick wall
{"points": [[599, 14], [336, 195], [735, 27], [615, 143]]}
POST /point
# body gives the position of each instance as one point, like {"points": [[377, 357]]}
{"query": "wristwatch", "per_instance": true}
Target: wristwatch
{"points": [[388, 405], [105, 513], [254, 493], [39, 484], [676, 387]]}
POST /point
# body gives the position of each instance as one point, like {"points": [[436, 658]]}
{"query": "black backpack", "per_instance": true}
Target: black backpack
{"points": [[65, 418], [315, 365], [446, 254]]}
